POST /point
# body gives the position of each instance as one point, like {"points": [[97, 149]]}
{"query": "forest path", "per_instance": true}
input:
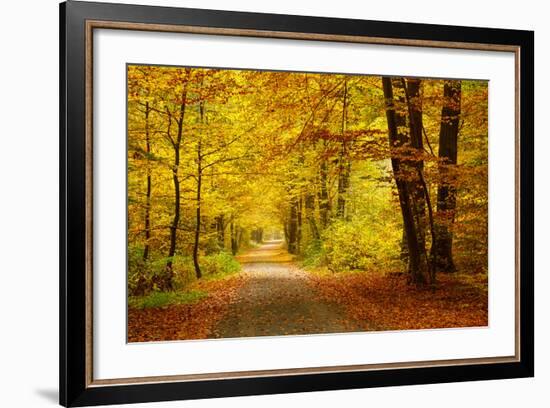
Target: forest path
{"points": [[278, 299]]}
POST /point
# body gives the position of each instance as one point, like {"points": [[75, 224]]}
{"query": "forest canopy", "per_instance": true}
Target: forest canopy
{"points": [[353, 172]]}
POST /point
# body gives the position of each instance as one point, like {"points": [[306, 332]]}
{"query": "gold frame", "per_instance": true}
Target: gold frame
{"points": [[99, 24]]}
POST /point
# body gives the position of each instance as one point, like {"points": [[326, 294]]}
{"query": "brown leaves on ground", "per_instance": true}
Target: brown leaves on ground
{"points": [[277, 298], [389, 303], [186, 321]]}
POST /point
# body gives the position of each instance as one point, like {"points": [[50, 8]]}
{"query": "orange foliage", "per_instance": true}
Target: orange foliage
{"points": [[188, 321], [392, 304]]}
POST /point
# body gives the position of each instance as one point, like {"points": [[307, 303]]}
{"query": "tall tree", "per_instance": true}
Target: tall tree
{"points": [[167, 282], [148, 184], [344, 165], [199, 162], [212, 152], [442, 251], [405, 178], [421, 195]]}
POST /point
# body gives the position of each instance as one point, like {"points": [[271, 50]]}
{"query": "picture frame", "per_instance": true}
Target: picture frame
{"points": [[78, 385]]}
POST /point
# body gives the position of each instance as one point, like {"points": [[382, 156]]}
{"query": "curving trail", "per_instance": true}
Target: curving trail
{"points": [[278, 299]]}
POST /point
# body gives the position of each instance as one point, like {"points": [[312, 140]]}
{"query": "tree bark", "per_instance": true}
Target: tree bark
{"points": [[310, 216], [234, 239], [299, 227], [167, 283], [148, 188], [396, 118], [404, 248], [442, 251], [421, 195], [292, 242], [196, 242], [220, 230], [414, 107], [343, 161], [324, 205]]}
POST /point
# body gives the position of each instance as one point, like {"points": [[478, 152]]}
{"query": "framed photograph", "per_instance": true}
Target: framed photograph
{"points": [[257, 203]]}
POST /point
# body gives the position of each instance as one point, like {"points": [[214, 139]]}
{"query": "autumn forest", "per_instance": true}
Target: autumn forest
{"points": [[276, 203]]}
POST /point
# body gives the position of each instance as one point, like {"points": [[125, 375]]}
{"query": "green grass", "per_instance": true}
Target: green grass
{"points": [[160, 299], [314, 255], [218, 266]]}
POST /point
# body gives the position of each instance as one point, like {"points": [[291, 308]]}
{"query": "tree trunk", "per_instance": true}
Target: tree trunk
{"points": [[414, 107], [396, 118], [404, 248], [196, 242], [442, 251], [175, 223], [239, 236], [292, 242], [310, 216], [167, 283], [234, 240], [324, 205], [220, 231], [421, 196], [299, 227], [257, 235], [148, 191], [343, 162], [285, 230]]}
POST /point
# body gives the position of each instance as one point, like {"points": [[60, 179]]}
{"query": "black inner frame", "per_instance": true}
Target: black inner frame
{"points": [[73, 391]]}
